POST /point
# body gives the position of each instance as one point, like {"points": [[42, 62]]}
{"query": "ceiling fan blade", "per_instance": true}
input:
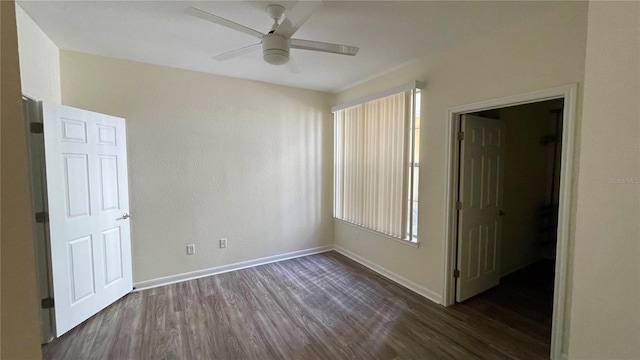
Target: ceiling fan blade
{"points": [[297, 16], [222, 21], [292, 65], [237, 52], [324, 47]]}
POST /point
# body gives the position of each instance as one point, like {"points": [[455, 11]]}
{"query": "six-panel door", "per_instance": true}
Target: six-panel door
{"points": [[481, 193], [86, 164]]}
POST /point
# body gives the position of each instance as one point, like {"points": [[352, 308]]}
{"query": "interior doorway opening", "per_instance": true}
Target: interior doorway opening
{"points": [[532, 181], [518, 239], [568, 93], [38, 184]]}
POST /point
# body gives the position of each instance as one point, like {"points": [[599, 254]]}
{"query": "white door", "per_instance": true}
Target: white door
{"points": [[86, 163], [481, 194]]}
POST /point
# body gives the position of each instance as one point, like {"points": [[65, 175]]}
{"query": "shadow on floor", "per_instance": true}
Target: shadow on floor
{"points": [[522, 301]]}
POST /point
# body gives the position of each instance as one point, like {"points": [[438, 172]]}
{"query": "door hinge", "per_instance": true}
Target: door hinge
{"points": [[36, 127], [47, 303], [460, 135], [459, 205], [456, 273], [42, 217]]}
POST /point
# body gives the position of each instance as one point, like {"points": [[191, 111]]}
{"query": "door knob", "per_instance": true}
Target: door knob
{"points": [[125, 216], [501, 213]]}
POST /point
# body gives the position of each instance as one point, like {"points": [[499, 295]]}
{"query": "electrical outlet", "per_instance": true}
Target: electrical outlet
{"points": [[223, 243], [191, 249]]}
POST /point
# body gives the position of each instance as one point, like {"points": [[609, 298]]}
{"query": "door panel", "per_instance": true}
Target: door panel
{"points": [[112, 243], [481, 194], [109, 193], [76, 181], [82, 270], [86, 164]]}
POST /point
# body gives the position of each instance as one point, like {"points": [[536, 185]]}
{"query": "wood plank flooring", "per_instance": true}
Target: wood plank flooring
{"points": [[523, 300], [322, 306]]}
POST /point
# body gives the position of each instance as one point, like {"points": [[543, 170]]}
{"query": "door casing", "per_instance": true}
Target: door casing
{"points": [[38, 181], [569, 94]]}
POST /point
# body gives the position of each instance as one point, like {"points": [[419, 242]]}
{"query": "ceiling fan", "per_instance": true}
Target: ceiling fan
{"points": [[277, 43]]}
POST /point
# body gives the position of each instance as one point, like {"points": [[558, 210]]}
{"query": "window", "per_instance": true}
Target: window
{"points": [[414, 167], [376, 163]]}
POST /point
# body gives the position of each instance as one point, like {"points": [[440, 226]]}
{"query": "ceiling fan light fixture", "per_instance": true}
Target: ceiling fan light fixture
{"points": [[276, 56], [277, 43], [275, 49]]}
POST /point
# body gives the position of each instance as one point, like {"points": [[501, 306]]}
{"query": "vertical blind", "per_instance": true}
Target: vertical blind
{"points": [[371, 157]]}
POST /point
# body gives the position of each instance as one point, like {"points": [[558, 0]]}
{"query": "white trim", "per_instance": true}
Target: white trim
{"points": [[36, 160], [514, 100], [374, 76], [404, 87], [30, 97], [419, 289], [172, 279], [400, 280], [569, 93], [563, 356]]}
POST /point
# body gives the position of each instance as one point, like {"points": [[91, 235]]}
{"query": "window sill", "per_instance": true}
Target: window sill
{"points": [[382, 235]]}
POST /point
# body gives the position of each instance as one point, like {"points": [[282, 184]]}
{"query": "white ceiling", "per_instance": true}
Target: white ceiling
{"points": [[389, 33]]}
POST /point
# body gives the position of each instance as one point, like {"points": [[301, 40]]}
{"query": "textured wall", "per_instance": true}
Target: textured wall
{"points": [[39, 60], [606, 282], [20, 328], [546, 51], [212, 157]]}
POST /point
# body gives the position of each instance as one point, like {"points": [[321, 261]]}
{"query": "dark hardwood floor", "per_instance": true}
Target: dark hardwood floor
{"points": [[523, 300], [317, 307]]}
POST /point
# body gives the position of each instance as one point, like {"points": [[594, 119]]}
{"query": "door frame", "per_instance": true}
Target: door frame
{"points": [[569, 94], [35, 145]]}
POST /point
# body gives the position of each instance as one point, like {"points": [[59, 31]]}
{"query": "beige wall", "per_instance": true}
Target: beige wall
{"points": [[606, 278], [20, 330], [522, 58], [39, 60], [527, 172], [211, 157]]}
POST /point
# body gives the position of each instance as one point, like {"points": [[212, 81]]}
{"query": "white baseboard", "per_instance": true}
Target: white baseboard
{"points": [[172, 279], [419, 289]]}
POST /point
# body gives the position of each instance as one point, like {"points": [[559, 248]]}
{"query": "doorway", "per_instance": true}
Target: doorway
{"points": [[511, 248], [40, 224], [531, 182], [567, 96]]}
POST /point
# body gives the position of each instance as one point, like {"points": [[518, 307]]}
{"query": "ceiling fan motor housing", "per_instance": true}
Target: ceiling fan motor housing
{"points": [[275, 49]]}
